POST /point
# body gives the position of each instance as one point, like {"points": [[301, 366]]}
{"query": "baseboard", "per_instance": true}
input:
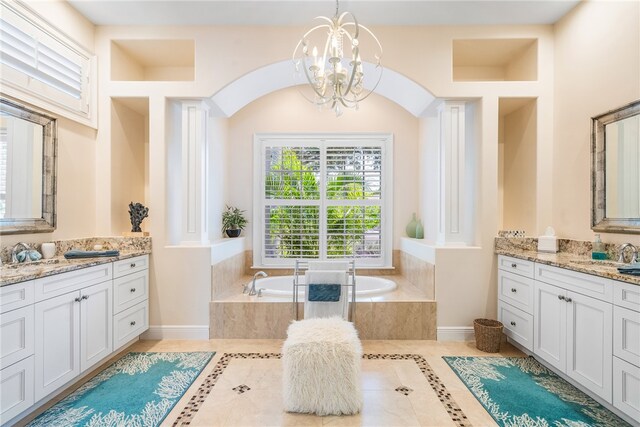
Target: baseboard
{"points": [[176, 332], [455, 333]]}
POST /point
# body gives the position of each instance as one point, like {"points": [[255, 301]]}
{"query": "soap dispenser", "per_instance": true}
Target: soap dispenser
{"points": [[598, 250]]}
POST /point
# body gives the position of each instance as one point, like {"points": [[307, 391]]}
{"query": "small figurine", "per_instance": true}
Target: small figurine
{"points": [[137, 212]]}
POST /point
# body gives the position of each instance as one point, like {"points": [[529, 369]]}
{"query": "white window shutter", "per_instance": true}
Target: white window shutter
{"points": [[40, 65]]}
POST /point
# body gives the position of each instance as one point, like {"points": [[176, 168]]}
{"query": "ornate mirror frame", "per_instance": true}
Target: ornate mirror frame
{"points": [[47, 222], [599, 221]]}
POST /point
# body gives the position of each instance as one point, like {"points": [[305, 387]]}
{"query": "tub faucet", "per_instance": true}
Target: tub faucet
{"points": [[252, 290]]}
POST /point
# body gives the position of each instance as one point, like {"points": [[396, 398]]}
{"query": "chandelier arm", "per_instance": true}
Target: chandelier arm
{"points": [[310, 80], [373, 88], [354, 69]]}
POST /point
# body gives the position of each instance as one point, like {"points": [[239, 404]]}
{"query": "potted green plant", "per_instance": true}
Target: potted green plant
{"points": [[233, 221]]}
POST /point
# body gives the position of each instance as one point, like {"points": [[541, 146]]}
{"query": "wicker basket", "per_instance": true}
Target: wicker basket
{"points": [[488, 335]]}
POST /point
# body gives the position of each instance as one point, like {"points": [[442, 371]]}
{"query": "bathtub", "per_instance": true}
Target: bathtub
{"points": [[282, 286]]}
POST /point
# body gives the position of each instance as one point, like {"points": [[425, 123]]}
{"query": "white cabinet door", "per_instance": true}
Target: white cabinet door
{"points": [[589, 343], [549, 327], [626, 388], [96, 312], [16, 389], [16, 335], [57, 342]]}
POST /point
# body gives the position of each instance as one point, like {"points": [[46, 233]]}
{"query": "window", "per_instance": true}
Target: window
{"points": [[40, 65], [323, 197]]}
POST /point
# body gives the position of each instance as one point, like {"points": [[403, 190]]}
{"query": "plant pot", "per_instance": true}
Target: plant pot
{"points": [[233, 232]]}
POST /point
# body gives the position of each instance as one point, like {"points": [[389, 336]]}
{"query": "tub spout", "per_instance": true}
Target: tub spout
{"points": [[253, 291]]}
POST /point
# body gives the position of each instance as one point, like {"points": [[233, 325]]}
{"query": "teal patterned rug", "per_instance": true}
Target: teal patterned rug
{"points": [[139, 389], [519, 391]]}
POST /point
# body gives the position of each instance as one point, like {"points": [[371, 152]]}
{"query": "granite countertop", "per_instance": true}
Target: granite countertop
{"points": [[573, 261], [37, 269]]}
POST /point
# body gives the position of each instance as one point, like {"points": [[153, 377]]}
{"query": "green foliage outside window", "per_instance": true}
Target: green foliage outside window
{"points": [[293, 231]]}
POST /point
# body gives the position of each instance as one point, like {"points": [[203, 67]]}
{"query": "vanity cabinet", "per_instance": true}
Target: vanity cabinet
{"points": [[583, 326], [73, 333], [55, 328], [515, 299], [626, 349], [16, 349], [573, 333]]}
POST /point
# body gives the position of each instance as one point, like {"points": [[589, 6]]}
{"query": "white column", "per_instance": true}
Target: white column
{"points": [[451, 176], [193, 175]]}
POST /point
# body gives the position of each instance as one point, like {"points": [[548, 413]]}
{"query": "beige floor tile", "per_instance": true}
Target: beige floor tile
{"points": [[383, 406]]}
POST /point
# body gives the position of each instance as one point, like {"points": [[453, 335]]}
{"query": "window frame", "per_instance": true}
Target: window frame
{"points": [[323, 140]]}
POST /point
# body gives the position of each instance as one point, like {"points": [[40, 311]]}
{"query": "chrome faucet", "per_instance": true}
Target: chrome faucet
{"points": [[14, 252], [252, 289], [634, 256]]}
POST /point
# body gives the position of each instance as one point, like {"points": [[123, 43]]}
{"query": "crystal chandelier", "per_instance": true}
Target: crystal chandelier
{"points": [[330, 78]]}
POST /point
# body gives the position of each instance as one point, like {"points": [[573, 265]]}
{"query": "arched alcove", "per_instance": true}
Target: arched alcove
{"points": [[270, 78]]}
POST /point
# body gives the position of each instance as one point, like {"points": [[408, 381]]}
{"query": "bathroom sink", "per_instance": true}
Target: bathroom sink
{"points": [[597, 262], [39, 263]]}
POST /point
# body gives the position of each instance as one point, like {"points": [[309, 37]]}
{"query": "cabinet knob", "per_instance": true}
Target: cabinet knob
{"points": [[133, 265], [514, 265], [514, 290], [561, 297], [568, 300], [77, 299], [513, 323], [132, 290], [133, 323], [85, 297]]}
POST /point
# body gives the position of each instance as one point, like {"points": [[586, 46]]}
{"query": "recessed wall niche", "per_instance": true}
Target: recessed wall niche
{"points": [[153, 60], [129, 158], [495, 60], [517, 152]]}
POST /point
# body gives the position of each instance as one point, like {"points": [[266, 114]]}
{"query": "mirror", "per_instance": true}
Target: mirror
{"points": [[27, 170], [615, 170]]}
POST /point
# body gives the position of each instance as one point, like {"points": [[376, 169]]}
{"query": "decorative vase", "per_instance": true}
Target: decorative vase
{"points": [[233, 232], [411, 227], [419, 231]]}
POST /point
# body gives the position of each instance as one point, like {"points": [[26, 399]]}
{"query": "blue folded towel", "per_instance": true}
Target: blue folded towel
{"points": [[89, 254], [632, 266], [324, 293]]}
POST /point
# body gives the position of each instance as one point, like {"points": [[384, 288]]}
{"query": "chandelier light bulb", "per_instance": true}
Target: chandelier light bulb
{"points": [[325, 77]]}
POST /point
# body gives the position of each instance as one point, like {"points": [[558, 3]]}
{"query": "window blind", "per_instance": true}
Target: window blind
{"points": [[41, 65], [323, 199], [25, 53]]}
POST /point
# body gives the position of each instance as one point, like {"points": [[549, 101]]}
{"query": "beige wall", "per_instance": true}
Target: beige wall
{"points": [[128, 151], [287, 111], [76, 146], [519, 169], [572, 81], [597, 57]]}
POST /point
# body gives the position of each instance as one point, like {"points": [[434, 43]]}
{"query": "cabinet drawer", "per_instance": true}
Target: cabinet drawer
{"points": [[516, 290], [585, 284], [130, 265], [626, 388], [130, 290], [16, 389], [626, 334], [129, 324], [16, 296], [516, 265], [52, 286], [518, 325], [626, 295], [16, 335]]}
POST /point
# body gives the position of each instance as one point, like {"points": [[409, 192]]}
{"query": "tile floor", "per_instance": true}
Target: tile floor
{"points": [[248, 391]]}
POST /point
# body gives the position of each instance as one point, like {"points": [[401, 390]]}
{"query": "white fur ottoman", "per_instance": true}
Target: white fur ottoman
{"points": [[322, 359]]}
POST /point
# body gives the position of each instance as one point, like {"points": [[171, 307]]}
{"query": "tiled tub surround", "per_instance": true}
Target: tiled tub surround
{"points": [[129, 247], [409, 312], [573, 255]]}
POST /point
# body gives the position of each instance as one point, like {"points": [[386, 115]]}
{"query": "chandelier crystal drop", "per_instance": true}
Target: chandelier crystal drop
{"points": [[328, 78]]}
